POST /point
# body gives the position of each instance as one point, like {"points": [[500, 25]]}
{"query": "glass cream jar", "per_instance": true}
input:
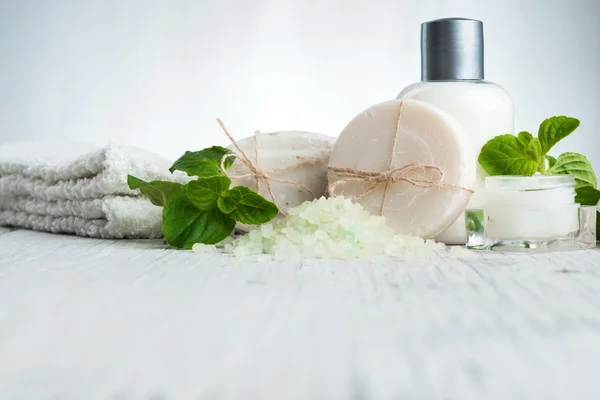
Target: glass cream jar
{"points": [[524, 213]]}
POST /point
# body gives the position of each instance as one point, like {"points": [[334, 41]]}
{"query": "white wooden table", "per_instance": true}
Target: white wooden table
{"points": [[98, 319]]}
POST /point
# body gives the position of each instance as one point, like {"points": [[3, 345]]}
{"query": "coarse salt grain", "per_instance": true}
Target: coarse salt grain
{"points": [[204, 248], [334, 228]]}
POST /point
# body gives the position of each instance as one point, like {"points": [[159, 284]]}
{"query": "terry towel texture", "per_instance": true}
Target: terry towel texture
{"points": [[80, 189]]}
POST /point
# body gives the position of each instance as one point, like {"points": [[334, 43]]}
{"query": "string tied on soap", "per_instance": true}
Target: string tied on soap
{"points": [[256, 172], [415, 173]]}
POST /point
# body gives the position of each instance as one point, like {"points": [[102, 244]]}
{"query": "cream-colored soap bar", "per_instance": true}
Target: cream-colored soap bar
{"points": [[293, 165], [408, 161]]}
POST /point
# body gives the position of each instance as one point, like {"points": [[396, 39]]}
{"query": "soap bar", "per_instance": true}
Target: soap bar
{"points": [[407, 161], [293, 165]]}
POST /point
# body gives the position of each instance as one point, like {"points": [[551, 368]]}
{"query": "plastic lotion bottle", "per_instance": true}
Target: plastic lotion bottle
{"points": [[452, 80]]}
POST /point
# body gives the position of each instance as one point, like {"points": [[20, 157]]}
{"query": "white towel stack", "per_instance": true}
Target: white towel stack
{"points": [[80, 189]]}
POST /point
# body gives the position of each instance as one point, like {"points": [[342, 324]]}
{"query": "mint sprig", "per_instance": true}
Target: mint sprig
{"points": [[204, 210], [525, 155]]}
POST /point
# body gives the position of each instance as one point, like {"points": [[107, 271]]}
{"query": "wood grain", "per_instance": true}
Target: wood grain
{"points": [[85, 318]]}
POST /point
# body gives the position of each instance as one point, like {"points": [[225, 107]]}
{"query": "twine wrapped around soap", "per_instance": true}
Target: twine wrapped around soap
{"points": [[256, 172], [411, 173]]}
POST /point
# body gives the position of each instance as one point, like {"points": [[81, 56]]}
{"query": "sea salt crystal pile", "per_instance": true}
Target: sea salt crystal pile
{"points": [[204, 248], [333, 228]]}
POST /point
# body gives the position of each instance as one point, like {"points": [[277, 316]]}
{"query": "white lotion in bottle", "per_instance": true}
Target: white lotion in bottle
{"points": [[452, 80]]}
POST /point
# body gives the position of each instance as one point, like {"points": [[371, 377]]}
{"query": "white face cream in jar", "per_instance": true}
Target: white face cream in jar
{"points": [[530, 213]]}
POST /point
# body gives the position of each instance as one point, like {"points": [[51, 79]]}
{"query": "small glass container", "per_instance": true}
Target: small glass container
{"points": [[530, 213]]}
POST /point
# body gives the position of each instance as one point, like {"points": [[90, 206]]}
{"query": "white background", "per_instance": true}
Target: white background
{"points": [[156, 73]]}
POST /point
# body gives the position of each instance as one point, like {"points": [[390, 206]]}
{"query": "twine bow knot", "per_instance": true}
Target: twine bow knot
{"points": [[415, 173]]}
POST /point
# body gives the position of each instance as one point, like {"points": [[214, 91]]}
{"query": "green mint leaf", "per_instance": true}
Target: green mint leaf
{"points": [[533, 148], [251, 207], [228, 202], [185, 225], [158, 192], [534, 151], [204, 192], [525, 138], [218, 227], [587, 196], [554, 129], [551, 161], [577, 165], [505, 155], [204, 163]]}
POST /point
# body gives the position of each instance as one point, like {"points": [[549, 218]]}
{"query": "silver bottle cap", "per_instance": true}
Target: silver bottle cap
{"points": [[451, 49]]}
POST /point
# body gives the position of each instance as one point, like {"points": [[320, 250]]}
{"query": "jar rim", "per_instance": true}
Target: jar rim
{"points": [[535, 182]]}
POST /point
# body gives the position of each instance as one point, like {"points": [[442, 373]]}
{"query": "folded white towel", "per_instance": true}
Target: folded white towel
{"points": [[80, 189]]}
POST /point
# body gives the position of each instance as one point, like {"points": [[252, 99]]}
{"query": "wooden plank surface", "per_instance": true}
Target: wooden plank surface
{"points": [[86, 319], [6, 230]]}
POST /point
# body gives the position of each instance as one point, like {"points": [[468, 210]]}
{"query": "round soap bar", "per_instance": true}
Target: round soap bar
{"points": [[407, 161], [294, 164]]}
